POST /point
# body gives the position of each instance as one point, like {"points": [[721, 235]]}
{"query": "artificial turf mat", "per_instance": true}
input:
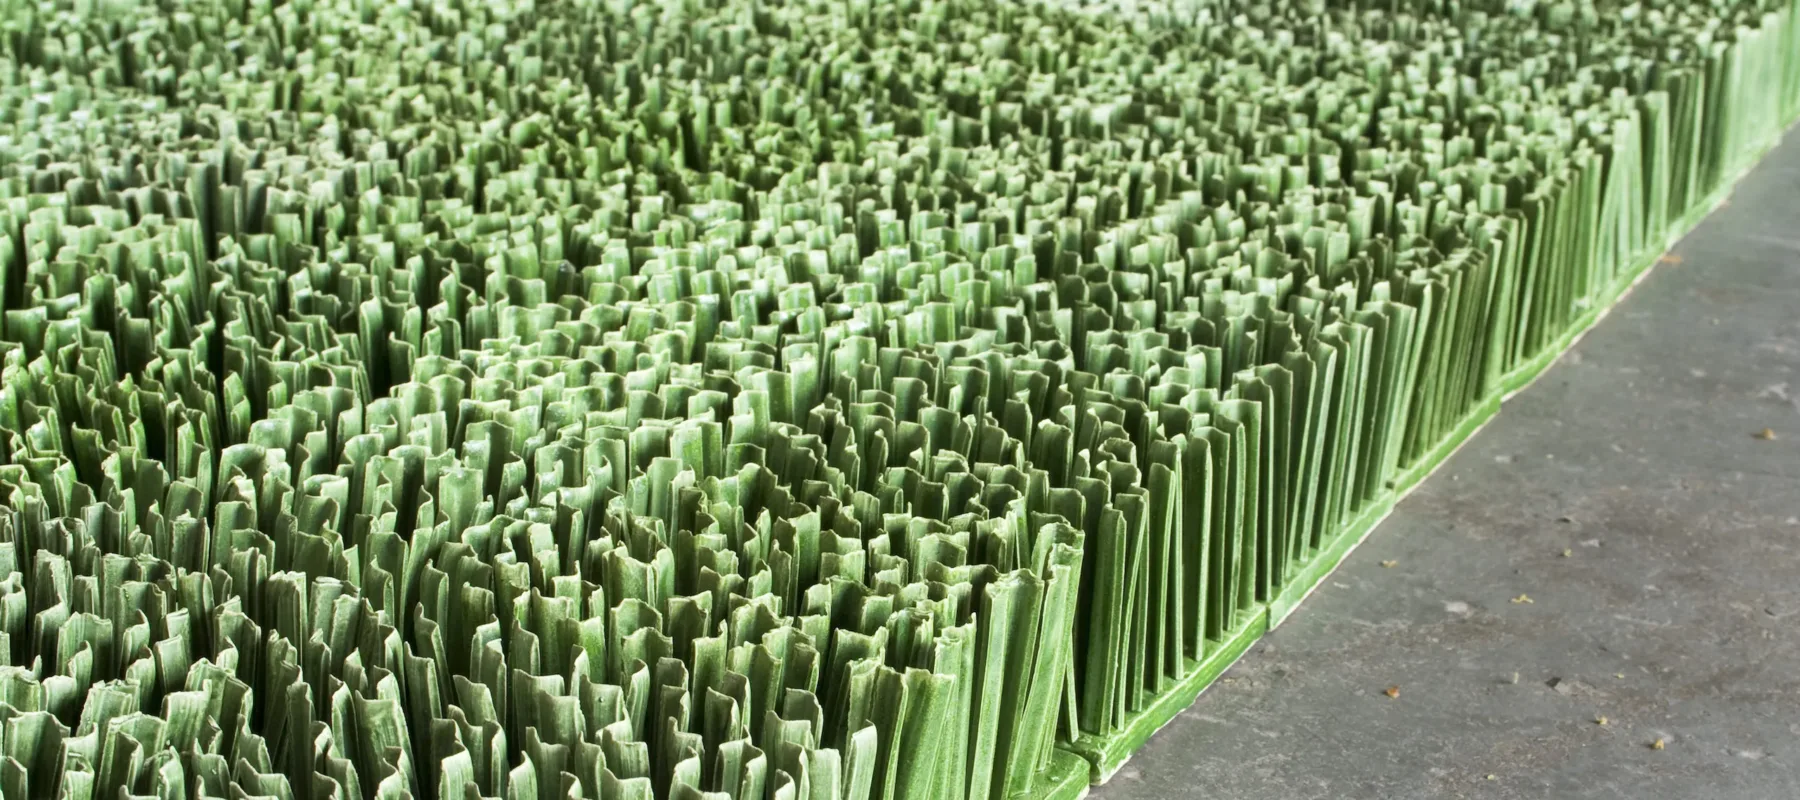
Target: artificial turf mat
{"points": [[765, 399]]}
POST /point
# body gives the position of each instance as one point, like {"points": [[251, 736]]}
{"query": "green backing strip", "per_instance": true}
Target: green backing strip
{"points": [[1066, 779], [1105, 755], [1322, 563]]}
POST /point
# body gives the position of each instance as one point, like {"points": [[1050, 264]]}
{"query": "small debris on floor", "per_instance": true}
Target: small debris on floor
{"points": [[1565, 519], [1567, 552], [1388, 564], [1766, 434], [1569, 688], [1493, 777], [1601, 721], [1515, 678], [1523, 599], [1670, 258], [1392, 692], [1658, 744]]}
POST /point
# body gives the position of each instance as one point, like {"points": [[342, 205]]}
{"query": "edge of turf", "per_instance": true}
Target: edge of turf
{"points": [[1065, 778], [1106, 754]]}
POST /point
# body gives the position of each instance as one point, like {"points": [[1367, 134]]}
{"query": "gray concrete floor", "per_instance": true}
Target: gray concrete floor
{"points": [[1657, 537]]}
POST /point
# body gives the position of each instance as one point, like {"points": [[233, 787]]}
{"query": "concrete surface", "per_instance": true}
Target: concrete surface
{"points": [[1628, 495]]}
